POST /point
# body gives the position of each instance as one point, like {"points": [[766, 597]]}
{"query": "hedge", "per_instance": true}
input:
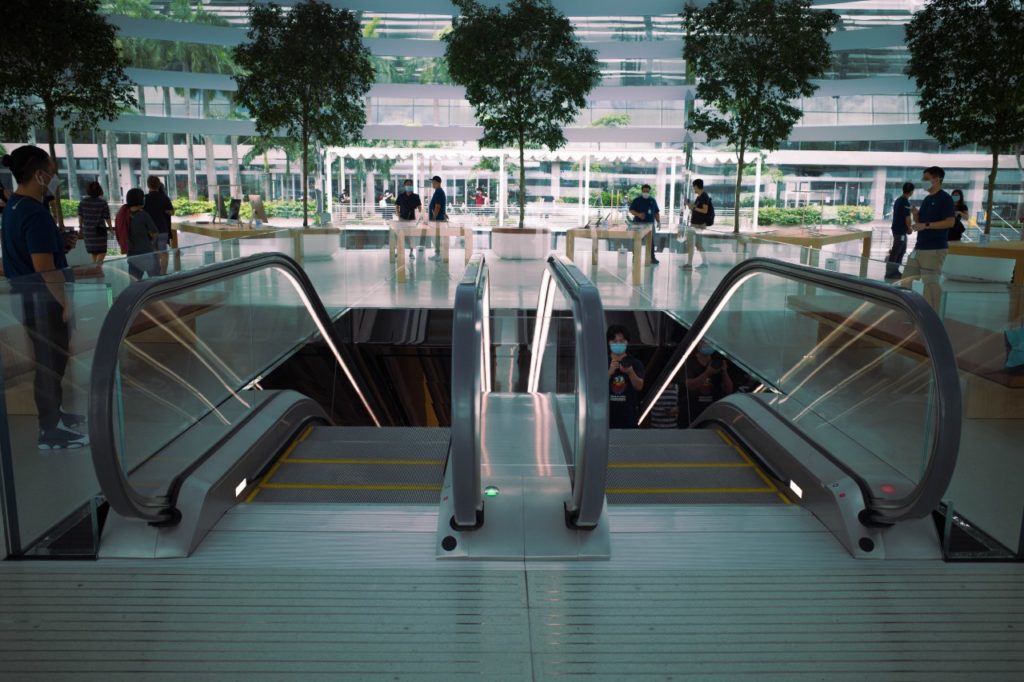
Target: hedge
{"points": [[811, 215]]}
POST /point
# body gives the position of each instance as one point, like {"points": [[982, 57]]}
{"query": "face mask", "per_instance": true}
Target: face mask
{"points": [[646, 195], [409, 189], [957, 198], [617, 348], [705, 349], [52, 185]]}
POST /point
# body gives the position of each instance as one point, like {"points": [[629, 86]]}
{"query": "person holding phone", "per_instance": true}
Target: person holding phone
{"points": [[625, 381], [707, 380]]}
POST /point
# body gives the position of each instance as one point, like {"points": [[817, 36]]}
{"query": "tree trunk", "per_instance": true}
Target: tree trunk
{"points": [[739, 186], [193, 191], [522, 181], [172, 180], [51, 131], [101, 166], [236, 179], [211, 169], [305, 176], [69, 153], [266, 177], [143, 142], [113, 167], [991, 190]]}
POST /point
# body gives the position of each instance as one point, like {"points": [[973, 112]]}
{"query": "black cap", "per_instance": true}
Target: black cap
{"points": [[135, 197], [436, 178]]}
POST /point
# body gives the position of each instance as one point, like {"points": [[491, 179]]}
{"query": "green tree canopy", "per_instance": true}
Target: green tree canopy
{"points": [[752, 58], [525, 72], [971, 88], [75, 76], [306, 73]]}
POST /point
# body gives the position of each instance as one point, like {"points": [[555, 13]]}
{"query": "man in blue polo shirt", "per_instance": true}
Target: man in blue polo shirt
{"points": [[35, 263], [900, 229], [644, 210], [931, 223]]}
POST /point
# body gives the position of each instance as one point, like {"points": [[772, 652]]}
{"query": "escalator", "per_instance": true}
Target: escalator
{"points": [[539, 469]]}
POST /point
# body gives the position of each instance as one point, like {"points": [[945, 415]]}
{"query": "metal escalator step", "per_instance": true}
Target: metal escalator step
{"points": [[645, 437], [373, 434], [304, 473], [404, 449], [377, 495], [719, 453]]}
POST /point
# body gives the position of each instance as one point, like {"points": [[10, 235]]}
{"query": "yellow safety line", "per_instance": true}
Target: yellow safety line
{"points": [[277, 465], [729, 441], [347, 486], [431, 462], [681, 465], [659, 491]]}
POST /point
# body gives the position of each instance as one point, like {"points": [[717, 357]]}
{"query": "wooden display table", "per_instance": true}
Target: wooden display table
{"points": [[228, 234], [400, 230], [814, 239], [1012, 250], [637, 236]]}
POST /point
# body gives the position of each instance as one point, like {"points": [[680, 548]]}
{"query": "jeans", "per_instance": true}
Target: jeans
{"points": [[899, 247], [49, 336]]}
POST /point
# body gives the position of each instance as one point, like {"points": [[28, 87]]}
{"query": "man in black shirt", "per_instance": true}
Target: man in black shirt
{"points": [[160, 209], [707, 380], [702, 215], [409, 206], [625, 381], [900, 229]]}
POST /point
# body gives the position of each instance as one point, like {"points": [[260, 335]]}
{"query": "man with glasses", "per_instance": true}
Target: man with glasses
{"points": [[932, 221], [644, 210]]}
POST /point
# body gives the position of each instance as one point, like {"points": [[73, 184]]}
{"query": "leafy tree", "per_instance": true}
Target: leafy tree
{"points": [[612, 121], [306, 73], [971, 90], [753, 58], [48, 74], [532, 77]]}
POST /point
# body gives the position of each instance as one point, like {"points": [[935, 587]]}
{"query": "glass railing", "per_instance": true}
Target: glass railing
{"points": [[985, 322], [862, 369], [47, 353], [186, 353]]}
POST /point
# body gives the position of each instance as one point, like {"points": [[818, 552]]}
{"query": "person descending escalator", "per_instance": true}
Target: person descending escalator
{"points": [[625, 381]]}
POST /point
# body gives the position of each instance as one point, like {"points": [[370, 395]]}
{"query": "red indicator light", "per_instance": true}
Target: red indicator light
{"points": [[887, 488]]}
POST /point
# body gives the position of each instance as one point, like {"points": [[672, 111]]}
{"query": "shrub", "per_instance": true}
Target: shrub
{"points": [[853, 215], [69, 207], [803, 215], [185, 206]]}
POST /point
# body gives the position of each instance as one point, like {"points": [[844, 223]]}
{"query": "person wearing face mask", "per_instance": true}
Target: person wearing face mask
{"points": [[932, 222], [962, 214], [644, 210], [707, 380], [438, 212], [34, 260], [702, 216], [625, 381], [409, 206]]}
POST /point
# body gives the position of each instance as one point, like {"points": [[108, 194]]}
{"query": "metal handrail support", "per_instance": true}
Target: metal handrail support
{"points": [[590, 458], [947, 410], [471, 378], [122, 496]]}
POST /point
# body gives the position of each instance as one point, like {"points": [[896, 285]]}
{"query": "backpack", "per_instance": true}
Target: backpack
{"points": [[711, 213], [122, 224]]}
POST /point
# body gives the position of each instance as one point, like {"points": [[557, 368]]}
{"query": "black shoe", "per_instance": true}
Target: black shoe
{"points": [[654, 261], [69, 420], [60, 439]]}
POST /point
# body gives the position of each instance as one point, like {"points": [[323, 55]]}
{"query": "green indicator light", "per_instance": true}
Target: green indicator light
{"points": [[491, 491]]}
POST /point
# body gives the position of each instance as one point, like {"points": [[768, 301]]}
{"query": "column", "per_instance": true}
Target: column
{"points": [[878, 193], [671, 205], [329, 161], [502, 190]]}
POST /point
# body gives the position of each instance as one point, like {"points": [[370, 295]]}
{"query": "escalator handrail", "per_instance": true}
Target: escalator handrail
{"points": [[591, 456], [113, 480], [947, 416], [468, 339]]}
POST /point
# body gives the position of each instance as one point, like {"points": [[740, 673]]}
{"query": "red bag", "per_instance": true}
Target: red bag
{"points": [[122, 223]]}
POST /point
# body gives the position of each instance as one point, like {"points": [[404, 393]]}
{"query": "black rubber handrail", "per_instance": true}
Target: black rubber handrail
{"points": [[947, 406], [113, 480]]}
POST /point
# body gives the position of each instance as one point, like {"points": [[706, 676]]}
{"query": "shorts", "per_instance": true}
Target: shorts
{"points": [[926, 264], [161, 241]]}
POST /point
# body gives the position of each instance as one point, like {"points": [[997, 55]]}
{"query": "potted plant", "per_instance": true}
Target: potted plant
{"points": [[531, 80]]}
